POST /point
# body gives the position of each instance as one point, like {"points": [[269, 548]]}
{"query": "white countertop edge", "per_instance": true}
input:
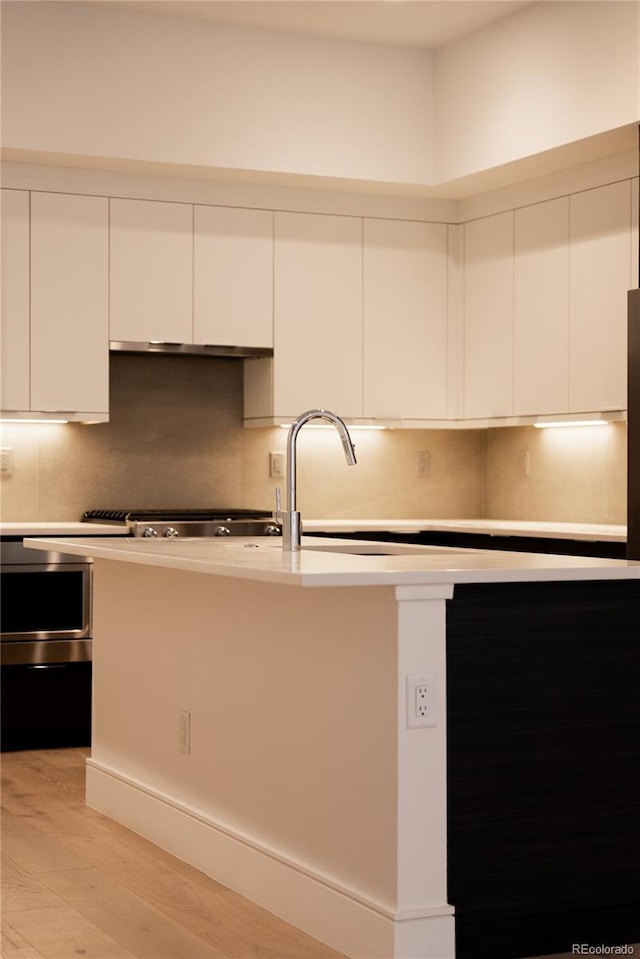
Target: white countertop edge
{"points": [[62, 528], [310, 568]]}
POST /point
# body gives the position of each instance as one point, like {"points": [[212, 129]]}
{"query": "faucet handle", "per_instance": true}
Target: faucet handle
{"points": [[278, 501]]}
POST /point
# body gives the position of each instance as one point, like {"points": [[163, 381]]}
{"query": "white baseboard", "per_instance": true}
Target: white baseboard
{"points": [[340, 917]]}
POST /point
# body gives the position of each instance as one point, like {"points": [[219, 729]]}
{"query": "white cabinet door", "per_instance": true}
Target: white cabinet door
{"points": [[600, 276], [488, 317], [541, 308], [318, 314], [151, 246], [405, 319], [69, 303], [233, 277], [15, 335]]}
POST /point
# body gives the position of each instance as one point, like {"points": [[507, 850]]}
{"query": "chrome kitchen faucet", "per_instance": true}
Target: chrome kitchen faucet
{"points": [[290, 518]]}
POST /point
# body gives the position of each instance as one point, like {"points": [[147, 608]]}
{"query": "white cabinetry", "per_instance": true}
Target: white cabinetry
{"points": [[541, 304], [405, 319], [233, 277], [55, 305], [16, 362], [488, 317], [600, 276], [375, 318], [573, 263], [317, 321], [69, 303], [151, 246]]}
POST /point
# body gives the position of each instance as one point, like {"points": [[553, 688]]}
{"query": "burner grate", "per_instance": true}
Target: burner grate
{"points": [[172, 515]]}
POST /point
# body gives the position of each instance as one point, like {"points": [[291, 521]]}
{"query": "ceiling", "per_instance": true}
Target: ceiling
{"points": [[407, 23]]}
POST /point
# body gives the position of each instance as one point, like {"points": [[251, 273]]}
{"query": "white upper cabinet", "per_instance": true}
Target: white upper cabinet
{"points": [[317, 321], [574, 261], [69, 303], [318, 313], [600, 276], [233, 277], [405, 319], [488, 317], [151, 245], [541, 304], [15, 334], [55, 342], [516, 314]]}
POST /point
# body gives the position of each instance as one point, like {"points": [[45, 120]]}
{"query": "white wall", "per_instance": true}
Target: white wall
{"points": [[102, 84], [84, 81], [550, 74]]}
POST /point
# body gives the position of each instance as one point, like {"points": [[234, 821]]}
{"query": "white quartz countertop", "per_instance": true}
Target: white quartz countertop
{"points": [[317, 565], [491, 527], [62, 529], [582, 531]]}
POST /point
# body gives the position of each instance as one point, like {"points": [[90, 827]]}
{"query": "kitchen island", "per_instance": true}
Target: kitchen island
{"points": [[260, 715]]}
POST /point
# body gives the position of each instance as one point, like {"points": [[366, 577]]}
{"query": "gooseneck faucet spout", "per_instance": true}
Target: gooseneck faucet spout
{"points": [[290, 518]]}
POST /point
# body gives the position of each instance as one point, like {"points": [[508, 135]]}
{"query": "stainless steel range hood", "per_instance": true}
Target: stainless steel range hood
{"points": [[189, 349]]}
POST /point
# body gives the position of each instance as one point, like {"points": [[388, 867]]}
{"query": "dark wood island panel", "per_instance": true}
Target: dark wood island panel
{"points": [[543, 713]]}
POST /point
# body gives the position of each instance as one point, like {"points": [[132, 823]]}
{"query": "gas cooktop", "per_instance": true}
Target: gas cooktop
{"points": [[224, 521]]}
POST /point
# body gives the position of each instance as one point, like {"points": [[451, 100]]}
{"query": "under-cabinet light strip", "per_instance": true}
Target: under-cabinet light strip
{"points": [[323, 426], [46, 422], [570, 423]]}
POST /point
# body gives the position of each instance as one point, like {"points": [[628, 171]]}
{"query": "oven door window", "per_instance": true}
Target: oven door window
{"points": [[42, 603]]}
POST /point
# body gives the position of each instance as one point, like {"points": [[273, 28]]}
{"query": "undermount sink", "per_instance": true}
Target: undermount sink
{"points": [[381, 549]]}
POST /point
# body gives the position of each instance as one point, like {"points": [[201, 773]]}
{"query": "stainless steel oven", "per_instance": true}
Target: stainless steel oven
{"points": [[46, 606], [45, 644]]}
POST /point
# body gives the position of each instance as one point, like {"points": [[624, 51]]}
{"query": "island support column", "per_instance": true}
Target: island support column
{"points": [[424, 921]]}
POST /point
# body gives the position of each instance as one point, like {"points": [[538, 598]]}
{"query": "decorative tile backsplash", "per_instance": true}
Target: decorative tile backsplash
{"points": [[176, 438]]}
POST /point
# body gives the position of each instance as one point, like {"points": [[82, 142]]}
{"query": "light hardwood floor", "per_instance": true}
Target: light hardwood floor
{"points": [[75, 883]]}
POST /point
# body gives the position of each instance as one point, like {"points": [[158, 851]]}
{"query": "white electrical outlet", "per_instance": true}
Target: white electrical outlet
{"points": [[276, 464], [184, 731], [422, 701], [423, 460], [6, 461]]}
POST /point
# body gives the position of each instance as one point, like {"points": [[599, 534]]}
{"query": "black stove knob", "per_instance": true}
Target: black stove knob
{"points": [[171, 531], [150, 531], [272, 530], [222, 531]]}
